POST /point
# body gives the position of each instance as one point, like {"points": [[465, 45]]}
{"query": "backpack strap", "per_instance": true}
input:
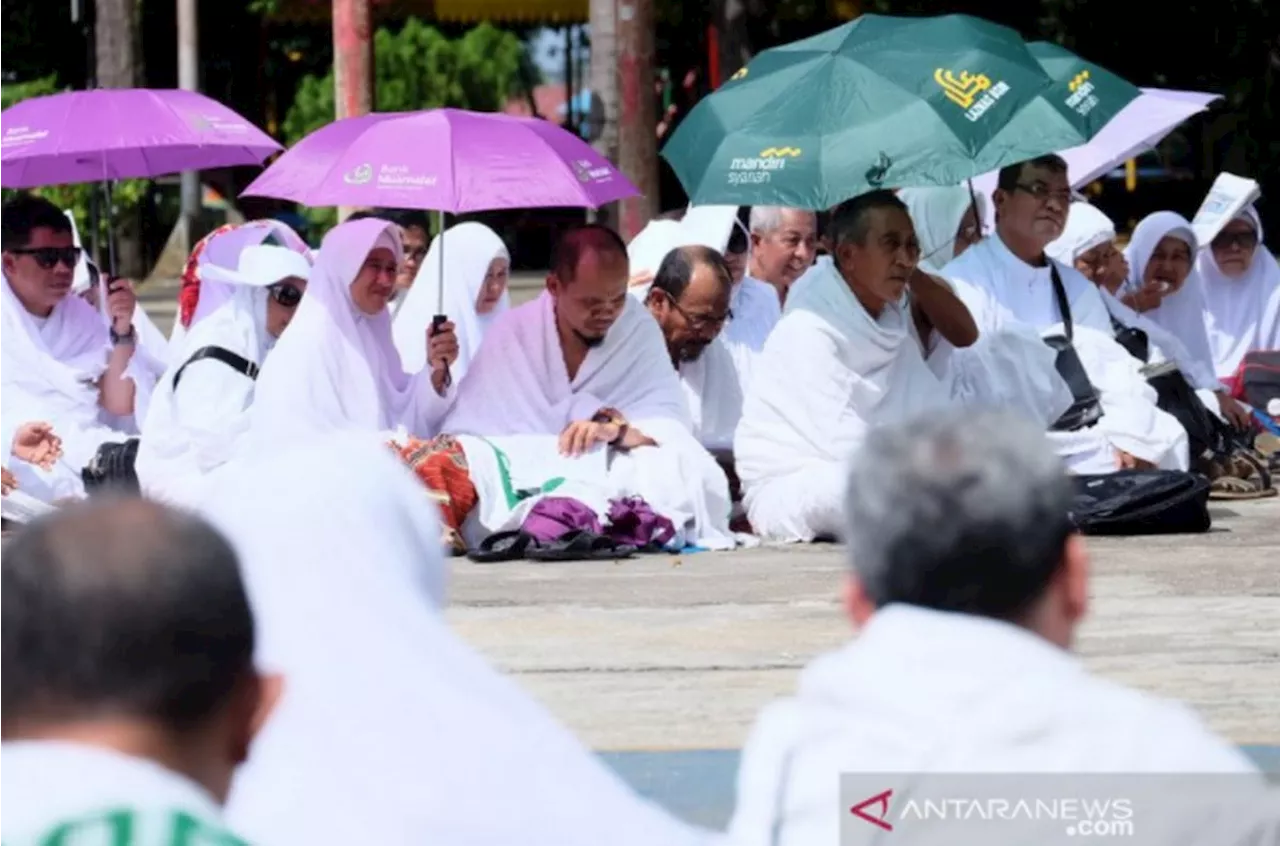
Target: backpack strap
{"points": [[1060, 294], [233, 360]]}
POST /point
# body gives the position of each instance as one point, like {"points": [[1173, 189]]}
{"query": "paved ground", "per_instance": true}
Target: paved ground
{"points": [[669, 653], [662, 663]]}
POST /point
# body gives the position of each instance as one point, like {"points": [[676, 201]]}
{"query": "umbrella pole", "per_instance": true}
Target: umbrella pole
{"points": [[440, 317], [111, 229]]}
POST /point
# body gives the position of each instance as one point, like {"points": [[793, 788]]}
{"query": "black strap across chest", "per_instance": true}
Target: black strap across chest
{"points": [[233, 360], [1064, 305]]}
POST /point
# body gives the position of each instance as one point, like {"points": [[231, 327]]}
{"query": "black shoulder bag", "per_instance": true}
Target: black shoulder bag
{"points": [[1086, 408], [233, 360]]}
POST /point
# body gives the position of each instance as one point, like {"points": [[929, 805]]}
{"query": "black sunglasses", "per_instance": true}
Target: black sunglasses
{"points": [[48, 257], [1227, 240], [285, 294]]}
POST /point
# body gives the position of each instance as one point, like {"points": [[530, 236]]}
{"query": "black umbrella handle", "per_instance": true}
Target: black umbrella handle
{"points": [[436, 322]]}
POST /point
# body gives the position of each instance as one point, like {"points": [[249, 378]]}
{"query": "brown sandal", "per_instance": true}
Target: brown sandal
{"points": [[1233, 487]]}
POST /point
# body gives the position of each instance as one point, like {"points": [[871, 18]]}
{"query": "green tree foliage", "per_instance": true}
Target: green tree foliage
{"points": [[127, 194], [418, 68]]}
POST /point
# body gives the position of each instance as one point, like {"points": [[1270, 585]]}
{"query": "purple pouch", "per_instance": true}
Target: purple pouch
{"points": [[634, 523], [554, 516]]}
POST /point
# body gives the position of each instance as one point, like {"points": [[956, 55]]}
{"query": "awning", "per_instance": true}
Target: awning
{"points": [[451, 11]]}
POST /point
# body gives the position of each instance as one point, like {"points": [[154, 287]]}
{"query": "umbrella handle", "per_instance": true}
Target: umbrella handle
{"points": [[436, 322]]}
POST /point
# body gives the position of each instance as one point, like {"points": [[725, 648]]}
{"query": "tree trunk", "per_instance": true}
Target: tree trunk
{"points": [[637, 121], [117, 45], [604, 86], [352, 64]]}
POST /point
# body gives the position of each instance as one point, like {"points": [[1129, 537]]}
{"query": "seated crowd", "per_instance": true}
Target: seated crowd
{"points": [[721, 369]]}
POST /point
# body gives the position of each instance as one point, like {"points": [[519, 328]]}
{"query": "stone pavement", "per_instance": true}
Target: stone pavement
{"points": [[664, 653]]}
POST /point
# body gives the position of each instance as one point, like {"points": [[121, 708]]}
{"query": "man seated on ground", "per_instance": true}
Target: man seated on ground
{"points": [[130, 695], [586, 367], [1019, 280], [845, 357], [60, 363], [968, 585], [689, 297]]}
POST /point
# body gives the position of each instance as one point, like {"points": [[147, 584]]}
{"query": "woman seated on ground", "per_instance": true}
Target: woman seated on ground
{"points": [[338, 368], [200, 408], [1163, 260], [1242, 293], [477, 269]]}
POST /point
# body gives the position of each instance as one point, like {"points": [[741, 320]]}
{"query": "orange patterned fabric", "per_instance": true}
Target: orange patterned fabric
{"points": [[441, 465], [189, 295]]}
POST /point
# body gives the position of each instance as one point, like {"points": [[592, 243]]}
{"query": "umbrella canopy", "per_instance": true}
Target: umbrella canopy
{"points": [[1083, 98], [878, 102], [448, 160], [123, 133], [1138, 128]]}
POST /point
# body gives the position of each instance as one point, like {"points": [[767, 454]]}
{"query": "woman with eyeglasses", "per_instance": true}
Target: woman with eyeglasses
{"points": [[337, 368], [1241, 291], [200, 409], [477, 270]]}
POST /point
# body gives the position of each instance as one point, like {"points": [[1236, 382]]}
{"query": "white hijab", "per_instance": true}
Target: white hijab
{"points": [[390, 729], [336, 368], [936, 212], [1241, 315], [468, 248], [1181, 313]]}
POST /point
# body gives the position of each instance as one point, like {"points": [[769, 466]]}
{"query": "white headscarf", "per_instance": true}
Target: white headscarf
{"points": [[176, 451], [469, 248], [1181, 313], [1087, 227], [936, 212], [390, 729], [1241, 315], [336, 368]]}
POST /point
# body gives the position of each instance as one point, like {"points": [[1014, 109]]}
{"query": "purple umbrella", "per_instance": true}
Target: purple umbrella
{"points": [[123, 133], [447, 160]]}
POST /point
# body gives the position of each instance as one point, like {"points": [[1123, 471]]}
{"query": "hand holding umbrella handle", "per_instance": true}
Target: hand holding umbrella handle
{"points": [[436, 322]]}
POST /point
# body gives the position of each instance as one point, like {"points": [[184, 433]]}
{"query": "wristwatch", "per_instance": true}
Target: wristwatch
{"points": [[118, 339]]}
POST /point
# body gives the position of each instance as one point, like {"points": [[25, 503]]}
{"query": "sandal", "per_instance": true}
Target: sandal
{"points": [[1232, 487], [502, 546], [582, 546]]}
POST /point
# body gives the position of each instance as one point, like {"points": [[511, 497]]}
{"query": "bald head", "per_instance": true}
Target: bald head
{"points": [[600, 242], [690, 300], [121, 609]]}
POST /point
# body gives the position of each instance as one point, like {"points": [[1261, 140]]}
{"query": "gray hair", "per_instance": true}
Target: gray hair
{"points": [[961, 511], [764, 219]]}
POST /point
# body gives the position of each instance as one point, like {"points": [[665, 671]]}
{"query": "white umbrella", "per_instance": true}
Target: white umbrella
{"points": [[1138, 128]]}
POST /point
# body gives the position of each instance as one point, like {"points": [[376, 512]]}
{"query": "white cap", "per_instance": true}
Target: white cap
{"points": [[259, 266]]}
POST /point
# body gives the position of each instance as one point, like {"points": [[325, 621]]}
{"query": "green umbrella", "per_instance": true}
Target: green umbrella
{"points": [[1083, 98], [878, 102]]}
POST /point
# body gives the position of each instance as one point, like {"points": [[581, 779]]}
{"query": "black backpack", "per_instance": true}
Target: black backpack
{"points": [[1141, 502]]}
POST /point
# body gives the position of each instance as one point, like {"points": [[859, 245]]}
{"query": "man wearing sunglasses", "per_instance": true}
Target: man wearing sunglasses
{"points": [[59, 360]]}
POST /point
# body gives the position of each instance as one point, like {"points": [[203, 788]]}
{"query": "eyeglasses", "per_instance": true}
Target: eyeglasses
{"points": [[285, 294], [701, 322], [416, 254], [1044, 193], [49, 257], [1226, 240]]}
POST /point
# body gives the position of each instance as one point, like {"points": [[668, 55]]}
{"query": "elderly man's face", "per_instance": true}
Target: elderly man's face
{"points": [[692, 321], [590, 302], [879, 268], [780, 257], [1035, 210]]}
